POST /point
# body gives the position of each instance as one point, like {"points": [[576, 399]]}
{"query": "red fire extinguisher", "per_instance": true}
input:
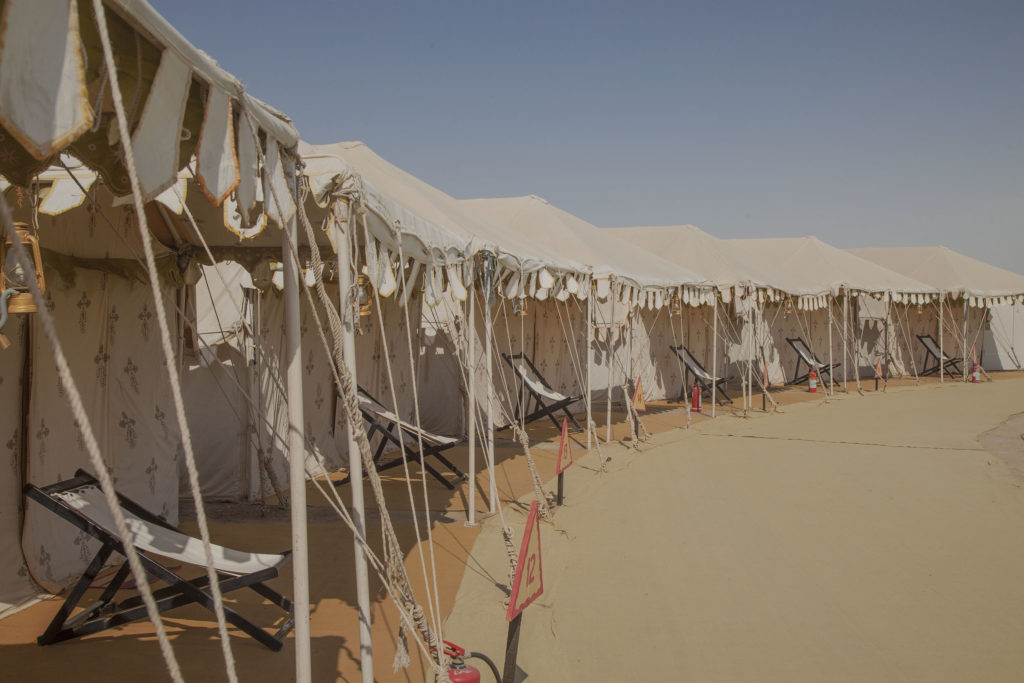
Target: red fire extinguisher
{"points": [[698, 397], [459, 671], [976, 374], [812, 382]]}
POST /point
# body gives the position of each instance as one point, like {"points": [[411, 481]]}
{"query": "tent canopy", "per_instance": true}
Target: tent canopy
{"points": [[442, 224], [946, 270], [695, 250], [817, 268], [555, 231]]}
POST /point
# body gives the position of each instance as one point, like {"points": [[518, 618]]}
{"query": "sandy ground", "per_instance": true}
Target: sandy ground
{"points": [[776, 546], [864, 539]]}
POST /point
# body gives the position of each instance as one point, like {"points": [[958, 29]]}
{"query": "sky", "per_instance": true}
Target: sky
{"points": [[864, 123]]}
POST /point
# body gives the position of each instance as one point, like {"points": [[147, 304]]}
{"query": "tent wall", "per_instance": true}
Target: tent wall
{"points": [[16, 587], [545, 334], [780, 324], [108, 330], [441, 379], [1004, 338]]}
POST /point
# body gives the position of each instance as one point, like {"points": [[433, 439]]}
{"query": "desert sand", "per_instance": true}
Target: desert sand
{"points": [[872, 538], [863, 538]]}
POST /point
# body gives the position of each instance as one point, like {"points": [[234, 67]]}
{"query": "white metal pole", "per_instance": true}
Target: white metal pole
{"points": [[750, 358], [611, 326], [296, 451], [489, 361], [471, 404], [964, 345], [714, 352], [942, 354], [846, 341], [831, 387], [346, 303], [590, 364]]}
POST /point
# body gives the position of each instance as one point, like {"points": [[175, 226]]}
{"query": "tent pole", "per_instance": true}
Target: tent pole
{"points": [[714, 351], [942, 372], [296, 449], [750, 357], [885, 370], [831, 387], [590, 363], [846, 341], [611, 326], [471, 401], [355, 464], [492, 491], [964, 364]]}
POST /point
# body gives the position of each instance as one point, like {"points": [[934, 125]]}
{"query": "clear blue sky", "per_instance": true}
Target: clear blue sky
{"points": [[865, 123]]}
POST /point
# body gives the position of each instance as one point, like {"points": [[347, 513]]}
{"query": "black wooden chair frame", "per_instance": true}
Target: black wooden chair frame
{"points": [[105, 613], [541, 409], [945, 364], [822, 368], [721, 397], [376, 425]]}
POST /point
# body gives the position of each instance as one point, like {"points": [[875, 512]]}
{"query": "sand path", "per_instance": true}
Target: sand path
{"points": [[868, 539]]}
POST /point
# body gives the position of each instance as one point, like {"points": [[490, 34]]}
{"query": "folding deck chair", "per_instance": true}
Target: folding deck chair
{"points": [[540, 391], [80, 502], [380, 420], [706, 380], [942, 360], [807, 357]]}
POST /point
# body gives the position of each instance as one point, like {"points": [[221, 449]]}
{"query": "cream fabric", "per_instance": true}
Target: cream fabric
{"points": [[65, 194], [814, 268], [947, 270], [155, 142], [1004, 341], [555, 231], [16, 586], [109, 332], [43, 100], [216, 164], [697, 251], [278, 203]]}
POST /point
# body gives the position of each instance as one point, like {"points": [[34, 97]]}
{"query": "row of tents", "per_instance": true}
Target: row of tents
{"points": [[444, 300]]}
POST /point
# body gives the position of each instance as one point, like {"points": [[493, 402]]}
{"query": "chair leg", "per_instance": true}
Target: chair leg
{"points": [[50, 635]]}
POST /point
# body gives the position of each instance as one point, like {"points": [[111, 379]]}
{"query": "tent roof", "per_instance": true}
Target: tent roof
{"points": [[439, 220], [710, 257], [946, 270], [816, 267], [555, 231]]}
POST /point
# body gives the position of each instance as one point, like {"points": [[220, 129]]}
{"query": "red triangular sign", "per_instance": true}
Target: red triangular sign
{"points": [[564, 449], [639, 404], [878, 368], [528, 583]]}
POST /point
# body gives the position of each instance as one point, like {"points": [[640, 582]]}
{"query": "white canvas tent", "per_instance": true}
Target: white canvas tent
{"points": [[820, 277], [989, 299]]}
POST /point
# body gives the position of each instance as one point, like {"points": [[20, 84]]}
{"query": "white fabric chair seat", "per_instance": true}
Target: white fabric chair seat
{"points": [[174, 545]]}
